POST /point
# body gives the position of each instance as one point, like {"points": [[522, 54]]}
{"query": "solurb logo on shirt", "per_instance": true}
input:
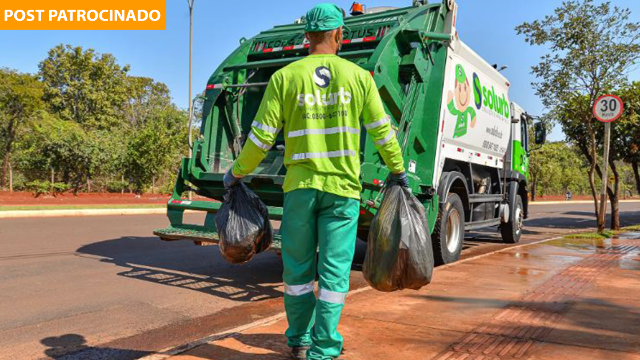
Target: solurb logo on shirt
{"points": [[322, 76], [324, 99]]}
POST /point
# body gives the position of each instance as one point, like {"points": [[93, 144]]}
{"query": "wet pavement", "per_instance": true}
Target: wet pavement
{"points": [[104, 288], [558, 299]]}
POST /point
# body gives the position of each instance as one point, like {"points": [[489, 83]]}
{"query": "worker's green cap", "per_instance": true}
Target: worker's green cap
{"points": [[460, 75], [324, 17]]}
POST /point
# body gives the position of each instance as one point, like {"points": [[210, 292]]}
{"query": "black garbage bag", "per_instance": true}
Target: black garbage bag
{"points": [[399, 251], [243, 225]]}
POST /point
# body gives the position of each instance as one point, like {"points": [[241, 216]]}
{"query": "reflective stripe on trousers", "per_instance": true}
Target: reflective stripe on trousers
{"points": [[328, 154], [331, 296], [297, 290]]}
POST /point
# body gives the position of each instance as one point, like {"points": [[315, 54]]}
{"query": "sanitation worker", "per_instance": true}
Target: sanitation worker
{"points": [[318, 102]]}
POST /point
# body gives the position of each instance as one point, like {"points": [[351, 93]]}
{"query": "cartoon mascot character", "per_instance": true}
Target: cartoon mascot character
{"points": [[460, 105]]}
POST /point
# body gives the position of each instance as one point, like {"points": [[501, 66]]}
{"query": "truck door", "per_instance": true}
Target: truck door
{"points": [[521, 146]]}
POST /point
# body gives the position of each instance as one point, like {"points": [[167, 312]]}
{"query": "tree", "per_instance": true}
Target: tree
{"points": [[629, 129], [84, 86], [62, 148], [557, 168], [146, 99], [155, 147], [591, 49], [20, 99]]}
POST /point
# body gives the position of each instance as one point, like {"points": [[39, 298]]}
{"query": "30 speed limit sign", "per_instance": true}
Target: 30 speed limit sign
{"points": [[608, 108]]}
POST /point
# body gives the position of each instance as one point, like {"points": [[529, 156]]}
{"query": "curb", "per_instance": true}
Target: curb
{"points": [[15, 214], [574, 202]]}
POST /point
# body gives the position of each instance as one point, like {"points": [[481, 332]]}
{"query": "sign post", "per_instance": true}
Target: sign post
{"points": [[606, 109]]}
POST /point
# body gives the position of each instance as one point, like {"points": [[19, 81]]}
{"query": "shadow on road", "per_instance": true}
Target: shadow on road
{"points": [[73, 347], [263, 346], [184, 265]]}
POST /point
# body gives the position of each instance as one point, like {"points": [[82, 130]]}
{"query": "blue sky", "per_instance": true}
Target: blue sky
{"points": [[487, 26]]}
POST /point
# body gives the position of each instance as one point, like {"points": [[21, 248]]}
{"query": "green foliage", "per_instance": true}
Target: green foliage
{"points": [[39, 187], [84, 86], [20, 100], [591, 48], [632, 228], [84, 121], [557, 168], [591, 235], [153, 148], [117, 186]]}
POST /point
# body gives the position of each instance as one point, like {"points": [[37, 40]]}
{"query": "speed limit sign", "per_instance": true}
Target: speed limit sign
{"points": [[608, 108]]}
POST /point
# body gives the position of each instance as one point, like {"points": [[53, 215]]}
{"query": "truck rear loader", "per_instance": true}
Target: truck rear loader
{"points": [[465, 144]]}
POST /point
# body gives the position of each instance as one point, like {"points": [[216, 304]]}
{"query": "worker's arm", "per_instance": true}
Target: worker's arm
{"points": [[378, 125], [264, 129]]}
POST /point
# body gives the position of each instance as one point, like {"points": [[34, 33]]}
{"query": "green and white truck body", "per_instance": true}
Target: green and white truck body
{"points": [[464, 142]]}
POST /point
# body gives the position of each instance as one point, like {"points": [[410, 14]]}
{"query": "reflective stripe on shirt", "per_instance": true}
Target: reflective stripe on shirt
{"points": [[328, 154], [387, 138], [258, 143], [331, 296], [327, 131], [265, 127], [297, 290], [377, 123]]}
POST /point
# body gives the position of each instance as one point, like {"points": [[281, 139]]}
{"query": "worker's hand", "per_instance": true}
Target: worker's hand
{"points": [[230, 180], [401, 179]]}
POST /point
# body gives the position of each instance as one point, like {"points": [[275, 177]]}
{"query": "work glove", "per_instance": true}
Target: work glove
{"points": [[230, 180], [401, 179]]}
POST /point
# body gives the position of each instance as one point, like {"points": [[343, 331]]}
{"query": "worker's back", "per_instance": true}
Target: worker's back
{"points": [[322, 99]]}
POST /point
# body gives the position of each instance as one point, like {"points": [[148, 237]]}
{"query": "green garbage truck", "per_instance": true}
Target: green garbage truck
{"points": [[464, 143]]}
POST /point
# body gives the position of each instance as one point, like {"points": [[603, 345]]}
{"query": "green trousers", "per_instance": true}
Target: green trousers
{"points": [[313, 220]]}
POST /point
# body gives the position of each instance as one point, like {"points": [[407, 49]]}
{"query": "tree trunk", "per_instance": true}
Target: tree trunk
{"points": [[10, 177], [534, 188], [10, 134], [636, 175], [5, 170], [615, 197], [122, 190], [53, 176], [153, 184]]}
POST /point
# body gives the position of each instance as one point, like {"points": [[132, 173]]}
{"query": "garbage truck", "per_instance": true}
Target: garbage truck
{"points": [[465, 144]]}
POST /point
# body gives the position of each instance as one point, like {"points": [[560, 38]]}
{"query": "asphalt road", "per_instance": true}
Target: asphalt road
{"points": [[105, 288]]}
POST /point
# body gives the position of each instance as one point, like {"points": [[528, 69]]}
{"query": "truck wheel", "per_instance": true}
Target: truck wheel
{"points": [[448, 233], [512, 230]]}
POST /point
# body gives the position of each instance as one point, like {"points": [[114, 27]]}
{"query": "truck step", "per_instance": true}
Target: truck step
{"points": [[200, 234]]}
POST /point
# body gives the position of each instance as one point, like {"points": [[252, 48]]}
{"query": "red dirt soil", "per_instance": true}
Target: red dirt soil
{"points": [[26, 198]]}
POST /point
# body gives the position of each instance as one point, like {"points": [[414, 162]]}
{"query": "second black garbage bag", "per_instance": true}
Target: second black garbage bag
{"points": [[243, 225], [399, 251]]}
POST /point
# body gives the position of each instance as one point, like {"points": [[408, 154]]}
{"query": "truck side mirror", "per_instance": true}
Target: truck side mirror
{"points": [[540, 133]]}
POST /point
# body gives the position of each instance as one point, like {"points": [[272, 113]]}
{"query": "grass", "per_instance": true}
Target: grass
{"points": [[80, 207], [605, 235], [632, 228], [590, 235]]}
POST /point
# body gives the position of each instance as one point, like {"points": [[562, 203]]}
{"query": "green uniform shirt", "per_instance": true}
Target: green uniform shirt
{"points": [[318, 102]]}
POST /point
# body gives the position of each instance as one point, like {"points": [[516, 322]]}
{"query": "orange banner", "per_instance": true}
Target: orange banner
{"points": [[83, 15]]}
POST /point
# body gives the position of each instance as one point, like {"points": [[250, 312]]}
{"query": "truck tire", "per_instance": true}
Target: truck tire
{"points": [[448, 233], [512, 230]]}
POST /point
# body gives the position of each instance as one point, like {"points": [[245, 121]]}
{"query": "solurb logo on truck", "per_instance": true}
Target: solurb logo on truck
{"points": [[488, 98]]}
